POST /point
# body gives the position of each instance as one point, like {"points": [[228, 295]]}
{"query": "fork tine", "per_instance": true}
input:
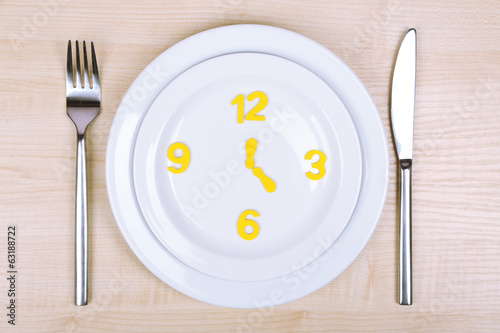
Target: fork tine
{"points": [[95, 70], [78, 67], [69, 68], [85, 67]]}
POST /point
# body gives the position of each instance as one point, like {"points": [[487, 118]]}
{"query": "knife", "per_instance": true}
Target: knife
{"points": [[402, 114]]}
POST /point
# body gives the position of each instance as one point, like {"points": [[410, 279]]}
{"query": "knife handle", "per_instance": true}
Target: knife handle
{"points": [[405, 279]]}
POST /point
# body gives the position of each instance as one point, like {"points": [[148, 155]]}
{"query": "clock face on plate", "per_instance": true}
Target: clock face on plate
{"points": [[247, 167]]}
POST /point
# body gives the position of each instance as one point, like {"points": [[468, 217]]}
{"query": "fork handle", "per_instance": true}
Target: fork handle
{"points": [[81, 225], [405, 278]]}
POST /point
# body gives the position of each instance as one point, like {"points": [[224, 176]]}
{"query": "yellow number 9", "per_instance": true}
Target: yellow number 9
{"points": [[183, 160], [320, 165], [243, 222]]}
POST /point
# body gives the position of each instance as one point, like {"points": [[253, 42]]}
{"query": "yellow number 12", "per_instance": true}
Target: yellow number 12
{"points": [[252, 114]]}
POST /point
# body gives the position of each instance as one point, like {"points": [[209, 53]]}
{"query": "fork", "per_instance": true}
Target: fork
{"points": [[83, 103]]}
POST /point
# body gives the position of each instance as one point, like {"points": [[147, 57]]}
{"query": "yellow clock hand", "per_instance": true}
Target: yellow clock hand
{"points": [[268, 183], [251, 147]]}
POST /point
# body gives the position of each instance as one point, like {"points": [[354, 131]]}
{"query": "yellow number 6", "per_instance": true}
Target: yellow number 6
{"points": [[183, 160], [243, 222], [320, 165]]}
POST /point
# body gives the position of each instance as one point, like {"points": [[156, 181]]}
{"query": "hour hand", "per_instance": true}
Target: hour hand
{"points": [[268, 183]]}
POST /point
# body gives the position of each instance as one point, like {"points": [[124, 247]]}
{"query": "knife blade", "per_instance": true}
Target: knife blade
{"points": [[402, 116]]}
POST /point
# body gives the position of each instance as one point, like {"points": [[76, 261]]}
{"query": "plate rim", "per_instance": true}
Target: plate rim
{"points": [[231, 290]]}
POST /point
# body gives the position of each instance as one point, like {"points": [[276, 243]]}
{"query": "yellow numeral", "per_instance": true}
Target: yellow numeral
{"points": [[252, 114], [183, 160], [240, 100], [243, 222], [320, 165]]}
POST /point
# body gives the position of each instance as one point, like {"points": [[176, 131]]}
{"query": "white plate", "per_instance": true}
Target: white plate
{"points": [[226, 40], [195, 213]]}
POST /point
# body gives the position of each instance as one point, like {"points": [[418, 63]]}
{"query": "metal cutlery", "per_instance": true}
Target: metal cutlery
{"points": [[83, 102], [402, 115]]}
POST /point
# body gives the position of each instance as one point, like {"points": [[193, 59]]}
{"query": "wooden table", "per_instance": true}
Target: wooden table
{"points": [[456, 185]]}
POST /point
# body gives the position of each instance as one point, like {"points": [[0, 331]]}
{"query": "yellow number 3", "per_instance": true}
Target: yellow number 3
{"points": [[183, 160], [320, 165]]}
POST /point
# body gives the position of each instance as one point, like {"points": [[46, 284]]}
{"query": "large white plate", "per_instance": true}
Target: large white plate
{"points": [[195, 213], [226, 40]]}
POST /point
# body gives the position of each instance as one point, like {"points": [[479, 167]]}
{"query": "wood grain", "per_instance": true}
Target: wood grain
{"points": [[456, 185]]}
